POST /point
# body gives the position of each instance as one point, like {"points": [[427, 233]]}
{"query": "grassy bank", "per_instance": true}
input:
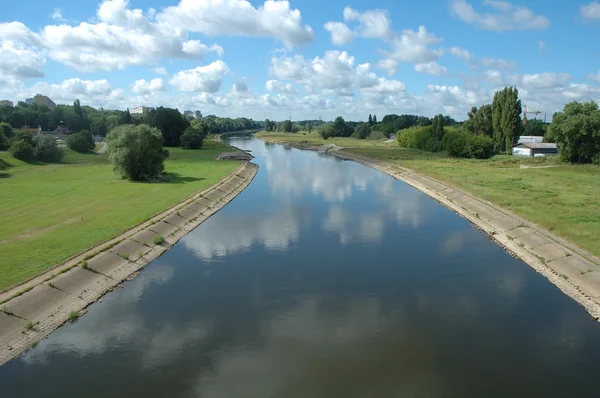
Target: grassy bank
{"points": [[51, 212], [562, 199]]}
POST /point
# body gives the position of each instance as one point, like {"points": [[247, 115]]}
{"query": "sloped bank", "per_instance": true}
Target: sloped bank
{"points": [[32, 311], [573, 270]]}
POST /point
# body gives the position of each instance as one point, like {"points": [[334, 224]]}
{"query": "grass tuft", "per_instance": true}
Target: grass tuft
{"points": [[158, 240], [73, 316]]}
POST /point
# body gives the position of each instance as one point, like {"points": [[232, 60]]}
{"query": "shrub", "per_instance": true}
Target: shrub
{"points": [[326, 132], [137, 152], [4, 142], [81, 142], [191, 139], [455, 142], [158, 240], [22, 147], [406, 137], [46, 149], [480, 146], [363, 130], [461, 144], [6, 129]]}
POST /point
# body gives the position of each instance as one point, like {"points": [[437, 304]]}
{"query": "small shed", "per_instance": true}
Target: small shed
{"points": [[531, 149], [237, 155]]}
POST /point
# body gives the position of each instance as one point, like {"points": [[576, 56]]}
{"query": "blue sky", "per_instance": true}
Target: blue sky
{"points": [[303, 58]]}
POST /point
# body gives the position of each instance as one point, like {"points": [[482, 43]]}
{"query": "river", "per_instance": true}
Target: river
{"points": [[324, 278]]}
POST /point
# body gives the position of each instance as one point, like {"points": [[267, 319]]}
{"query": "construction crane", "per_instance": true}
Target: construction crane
{"points": [[525, 114]]}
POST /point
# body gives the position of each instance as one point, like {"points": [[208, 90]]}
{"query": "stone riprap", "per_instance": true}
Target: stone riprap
{"points": [[33, 310]]}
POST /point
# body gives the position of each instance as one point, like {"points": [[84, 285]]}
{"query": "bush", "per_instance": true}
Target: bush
{"points": [[4, 142], [363, 130], [455, 142], [480, 146], [22, 147], [192, 139], [462, 144], [6, 129], [326, 132], [46, 149], [81, 142], [137, 152]]}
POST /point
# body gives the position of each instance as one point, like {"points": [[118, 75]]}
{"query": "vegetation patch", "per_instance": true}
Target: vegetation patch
{"points": [[158, 240]]}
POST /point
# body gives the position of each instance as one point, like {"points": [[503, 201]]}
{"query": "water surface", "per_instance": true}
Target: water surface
{"points": [[323, 278]]}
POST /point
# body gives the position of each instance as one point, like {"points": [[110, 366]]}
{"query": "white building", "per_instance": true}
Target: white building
{"points": [[139, 110]]}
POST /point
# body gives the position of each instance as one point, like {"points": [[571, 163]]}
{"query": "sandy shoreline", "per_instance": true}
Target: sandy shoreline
{"points": [[34, 309], [573, 270]]}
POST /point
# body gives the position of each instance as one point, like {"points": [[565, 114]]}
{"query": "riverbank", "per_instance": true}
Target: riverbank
{"points": [[33, 310], [573, 270], [51, 212]]}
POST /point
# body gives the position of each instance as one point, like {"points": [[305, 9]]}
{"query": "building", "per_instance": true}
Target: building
{"points": [[530, 138], [6, 103], [198, 114], [139, 110], [188, 113], [194, 114], [40, 99], [532, 149]]}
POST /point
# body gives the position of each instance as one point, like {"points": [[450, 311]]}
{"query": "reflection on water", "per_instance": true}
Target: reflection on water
{"points": [[322, 279]]}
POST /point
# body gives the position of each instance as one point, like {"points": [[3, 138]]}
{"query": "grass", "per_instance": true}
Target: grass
{"points": [[562, 199], [158, 240], [51, 212], [73, 316]]}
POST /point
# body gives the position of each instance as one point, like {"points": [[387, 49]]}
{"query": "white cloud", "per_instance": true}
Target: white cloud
{"points": [[240, 87], [277, 86], [161, 70], [463, 54], [541, 45], [18, 61], [414, 46], [17, 32], [495, 77], [206, 79], [545, 80], [389, 65], [341, 34], [432, 68], [507, 16], [144, 87], [596, 77], [238, 17], [372, 23], [90, 92], [334, 73], [590, 11], [497, 63], [57, 15]]}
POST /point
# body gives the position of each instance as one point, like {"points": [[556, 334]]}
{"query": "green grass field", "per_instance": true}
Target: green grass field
{"points": [[51, 212], [562, 199]]}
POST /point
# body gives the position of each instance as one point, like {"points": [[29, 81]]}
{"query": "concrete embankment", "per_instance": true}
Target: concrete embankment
{"points": [[573, 270], [33, 310]]}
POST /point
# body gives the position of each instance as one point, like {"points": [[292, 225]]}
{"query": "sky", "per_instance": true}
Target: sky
{"points": [[302, 59]]}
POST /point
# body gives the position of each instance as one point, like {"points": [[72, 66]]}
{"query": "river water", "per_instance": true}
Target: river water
{"points": [[323, 278]]}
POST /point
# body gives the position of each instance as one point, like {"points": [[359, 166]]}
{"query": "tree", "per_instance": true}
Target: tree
{"points": [[363, 130], [370, 120], [326, 132], [137, 153], [22, 147], [193, 136], [170, 122], [125, 117], [287, 126], [340, 128], [437, 128], [534, 127], [309, 127], [482, 123], [576, 131], [47, 150], [374, 119], [6, 129], [506, 119], [81, 142], [4, 141], [78, 109]]}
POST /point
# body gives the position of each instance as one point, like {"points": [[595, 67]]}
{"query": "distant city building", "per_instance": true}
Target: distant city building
{"points": [[6, 103], [188, 113], [194, 114], [198, 114], [139, 110], [40, 99]]}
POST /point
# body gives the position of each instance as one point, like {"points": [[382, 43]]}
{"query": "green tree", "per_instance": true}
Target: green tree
{"points": [[370, 120], [22, 147], [576, 131], [374, 119], [125, 117], [81, 142], [437, 128], [287, 126], [497, 109], [363, 130], [99, 126], [170, 122], [340, 128], [534, 127], [137, 153], [469, 123], [506, 119], [193, 136], [482, 122], [326, 132], [6, 129], [309, 127], [47, 150], [4, 141]]}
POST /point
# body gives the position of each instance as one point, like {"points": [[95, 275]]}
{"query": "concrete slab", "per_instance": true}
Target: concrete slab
{"points": [[197, 207], [36, 302], [175, 220], [204, 201], [130, 249], [163, 229], [551, 251], [215, 197], [145, 237], [9, 324], [188, 213], [505, 223], [106, 262], [519, 231], [572, 266], [77, 280], [590, 283], [533, 240]]}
